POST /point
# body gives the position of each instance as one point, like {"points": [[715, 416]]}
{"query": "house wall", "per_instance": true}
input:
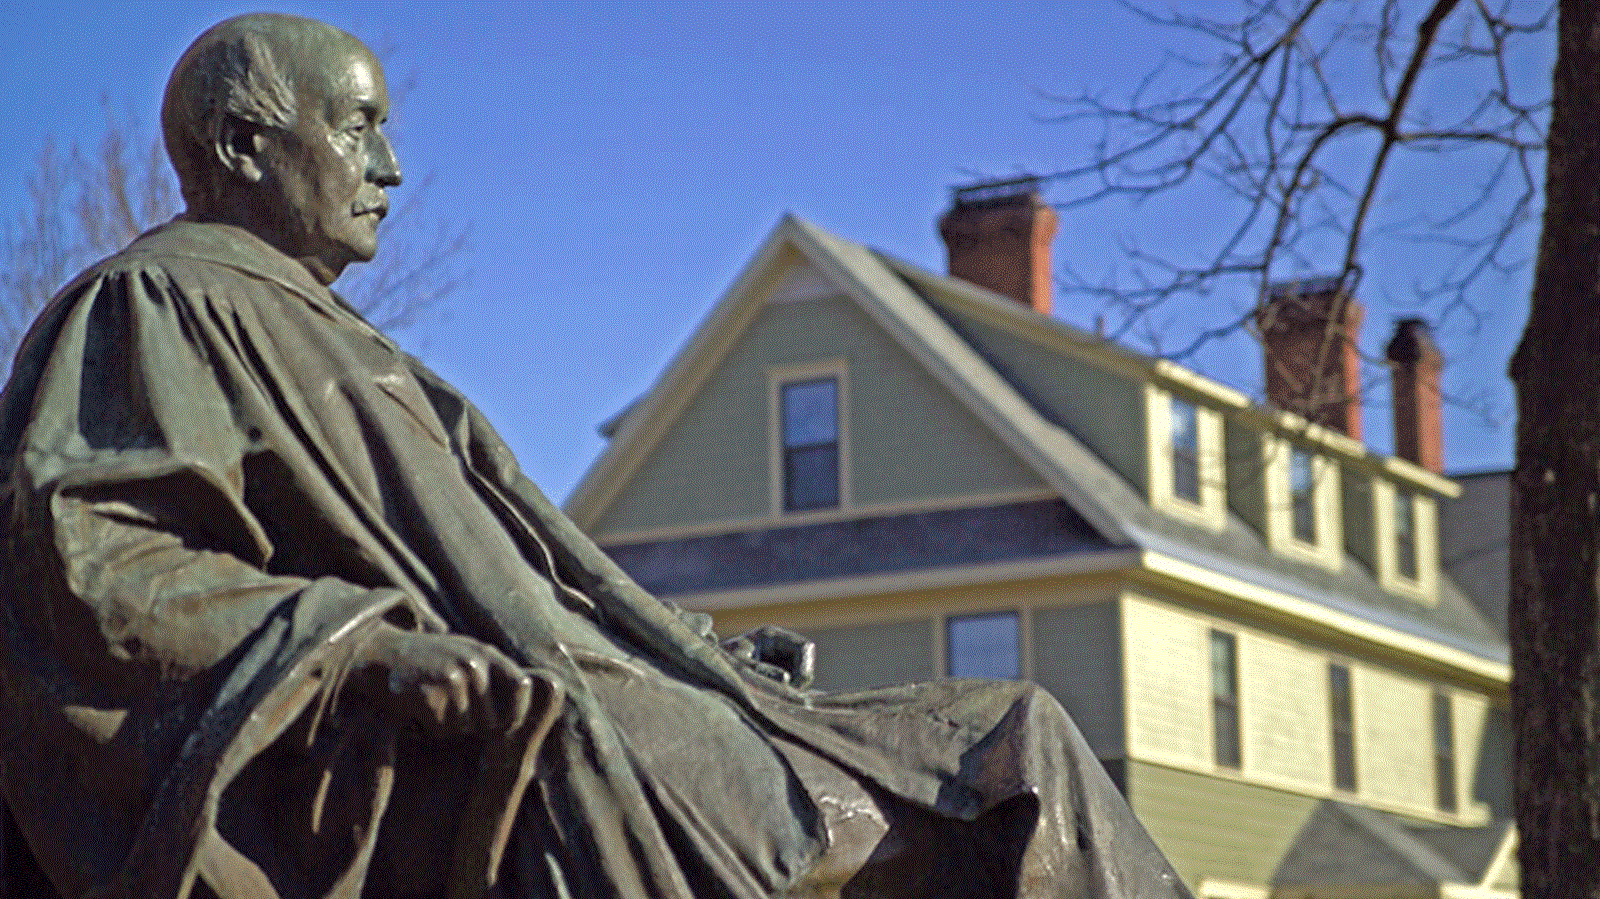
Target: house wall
{"points": [[1215, 828], [1069, 628], [715, 462], [873, 655], [1284, 717], [1077, 656]]}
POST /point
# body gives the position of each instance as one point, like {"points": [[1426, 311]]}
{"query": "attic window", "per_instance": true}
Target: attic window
{"points": [[810, 423], [1302, 504], [1183, 439], [1302, 495], [1185, 451], [1405, 535]]}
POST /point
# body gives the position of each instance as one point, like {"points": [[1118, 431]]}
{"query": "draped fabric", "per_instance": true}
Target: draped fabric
{"points": [[220, 476]]}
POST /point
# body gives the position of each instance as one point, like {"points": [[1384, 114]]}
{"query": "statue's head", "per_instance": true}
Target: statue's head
{"points": [[274, 124]]}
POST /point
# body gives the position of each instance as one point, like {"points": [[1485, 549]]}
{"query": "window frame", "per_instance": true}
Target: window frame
{"points": [[1209, 507], [1342, 734], [1327, 550], [950, 623], [1423, 584], [778, 379], [1227, 740], [1446, 777]]}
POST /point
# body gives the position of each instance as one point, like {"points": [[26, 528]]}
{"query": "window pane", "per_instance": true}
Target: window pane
{"points": [[1405, 535], [1225, 698], [1444, 753], [1343, 727], [985, 646], [810, 412], [810, 422], [1185, 451], [1302, 489], [811, 477]]}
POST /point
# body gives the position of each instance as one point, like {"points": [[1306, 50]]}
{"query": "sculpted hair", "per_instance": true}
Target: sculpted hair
{"points": [[236, 68]]}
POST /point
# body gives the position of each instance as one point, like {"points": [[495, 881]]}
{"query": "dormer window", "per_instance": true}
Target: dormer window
{"points": [[1302, 495], [1405, 535], [1185, 451], [810, 428], [1185, 455], [1405, 540], [1302, 503]]}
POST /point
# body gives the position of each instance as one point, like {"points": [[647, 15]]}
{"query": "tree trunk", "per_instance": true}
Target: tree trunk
{"points": [[1555, 525]]}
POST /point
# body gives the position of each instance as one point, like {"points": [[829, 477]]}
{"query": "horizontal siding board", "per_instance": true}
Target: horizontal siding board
{"points": [[873, 655], [1212, 827], [1078, 658]]}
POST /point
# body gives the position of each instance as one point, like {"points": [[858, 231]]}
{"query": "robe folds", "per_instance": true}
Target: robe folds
{"points": [[219, 476]]}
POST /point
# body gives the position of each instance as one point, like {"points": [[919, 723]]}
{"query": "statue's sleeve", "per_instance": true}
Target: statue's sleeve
{"points": [[145, 635], [129, 493]]}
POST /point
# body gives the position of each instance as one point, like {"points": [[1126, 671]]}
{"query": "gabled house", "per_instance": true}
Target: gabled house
{"points": [[1242, 607]]}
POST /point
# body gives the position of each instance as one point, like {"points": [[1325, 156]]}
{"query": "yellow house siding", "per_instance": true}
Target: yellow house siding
{"points": [[714, 464], [1167, 671], [1077, 657], [1215, 828], [1394, 738], [1284, 711], [873, 655]]}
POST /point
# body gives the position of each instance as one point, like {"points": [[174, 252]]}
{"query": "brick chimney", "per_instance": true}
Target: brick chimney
{"points": [[1309, 330], [1415, 363], [997, 235]]}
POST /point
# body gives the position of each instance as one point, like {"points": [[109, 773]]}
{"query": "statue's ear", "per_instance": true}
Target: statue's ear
{"points": [[239, 148]]}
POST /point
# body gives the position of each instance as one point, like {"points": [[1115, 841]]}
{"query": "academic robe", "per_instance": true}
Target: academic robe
{"points": [[220, 476]]}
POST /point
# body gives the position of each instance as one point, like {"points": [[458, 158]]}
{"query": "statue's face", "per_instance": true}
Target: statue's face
{"points": [[327, 173]]}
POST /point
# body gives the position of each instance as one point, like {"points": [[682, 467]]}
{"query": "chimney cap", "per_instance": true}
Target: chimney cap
{"points": [[1301, 287], [1412, 342], [996, 191]]}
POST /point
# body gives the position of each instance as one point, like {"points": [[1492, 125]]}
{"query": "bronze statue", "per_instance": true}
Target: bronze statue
{"points": [[283, 618]]}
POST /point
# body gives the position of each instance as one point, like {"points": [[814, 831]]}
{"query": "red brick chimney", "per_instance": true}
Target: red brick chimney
{"points": [[1415, 363], [1309, 330], [997, 235]]}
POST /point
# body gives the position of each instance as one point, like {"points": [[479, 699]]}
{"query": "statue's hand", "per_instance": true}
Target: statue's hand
{"points": [[699, 622], [782, 655], [448, 684]]}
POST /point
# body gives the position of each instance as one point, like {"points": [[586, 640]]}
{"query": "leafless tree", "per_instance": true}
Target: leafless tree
{"points": [[86, 201], [1290, 117], [1302, 119]]}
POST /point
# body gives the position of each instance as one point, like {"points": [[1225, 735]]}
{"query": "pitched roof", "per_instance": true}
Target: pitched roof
{"points": [[923, 312], [1344, 845], [1475, 540]]}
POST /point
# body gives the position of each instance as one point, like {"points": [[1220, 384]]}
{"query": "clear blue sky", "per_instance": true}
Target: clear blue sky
{"points": [[619, 162]]}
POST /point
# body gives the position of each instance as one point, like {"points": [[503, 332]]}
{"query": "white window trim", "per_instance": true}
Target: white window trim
{"points": [[777, 376], [1424, 588], [1212, 510], [1328, 551]]}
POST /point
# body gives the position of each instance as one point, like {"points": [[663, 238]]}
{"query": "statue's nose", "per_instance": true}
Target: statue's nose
{"points": [[382, 166]]}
